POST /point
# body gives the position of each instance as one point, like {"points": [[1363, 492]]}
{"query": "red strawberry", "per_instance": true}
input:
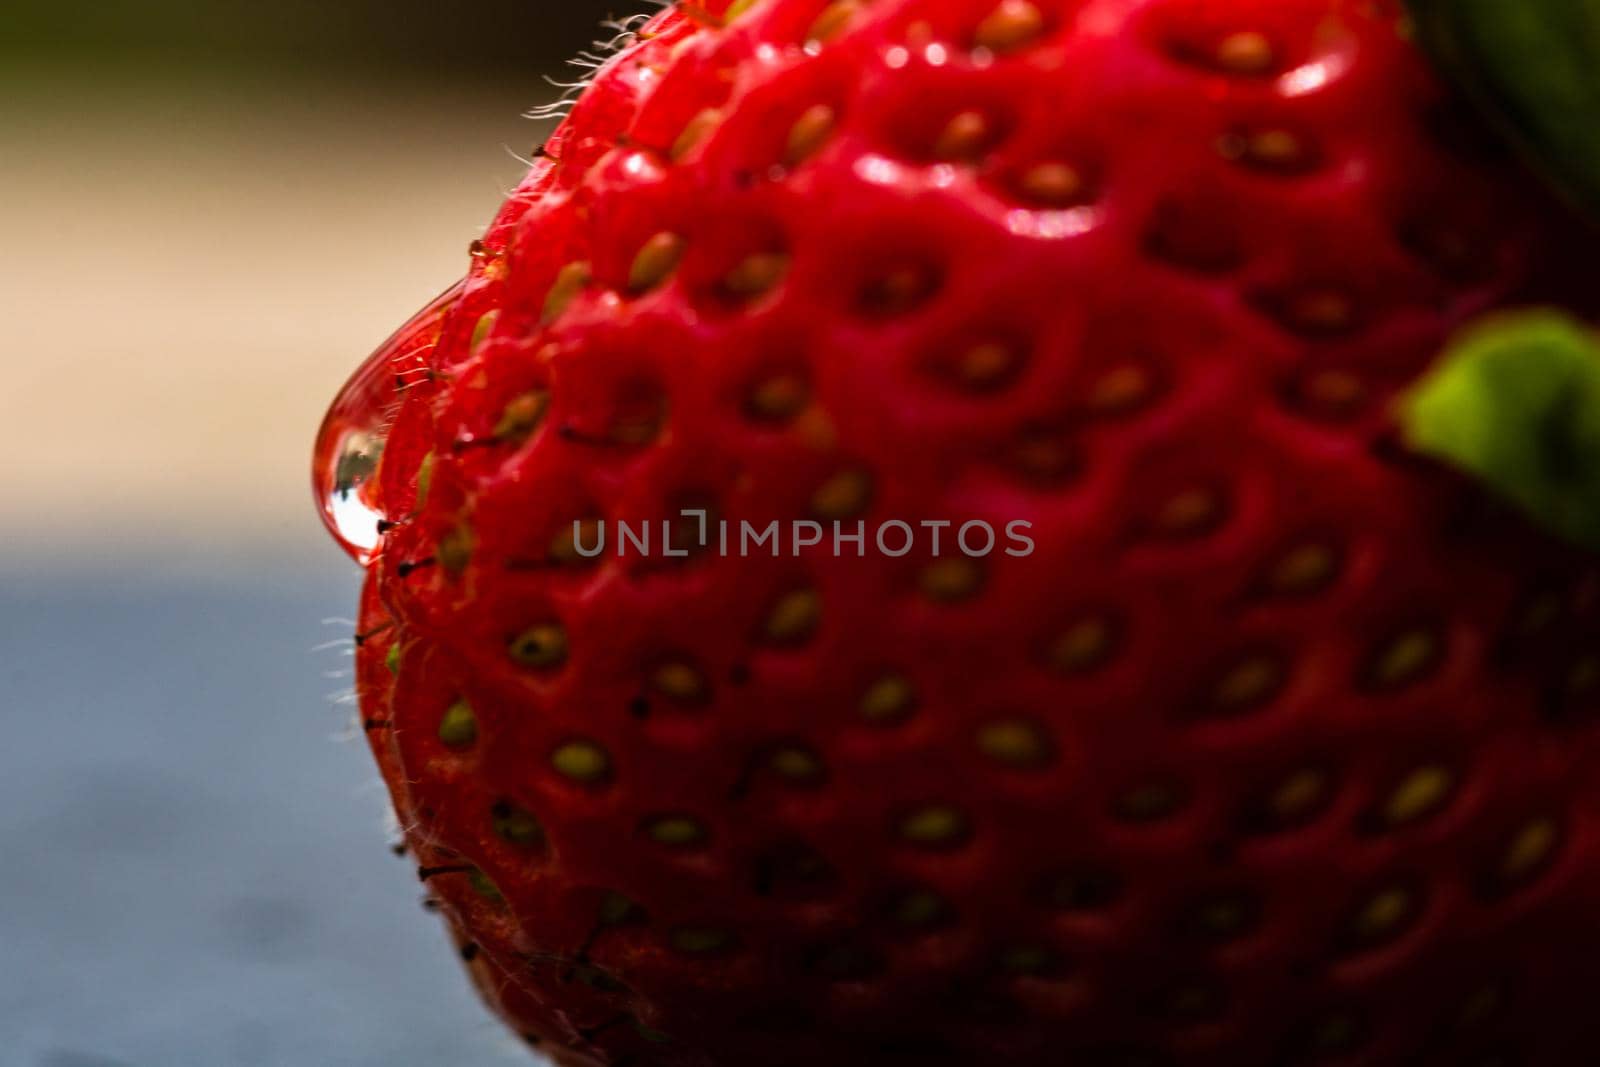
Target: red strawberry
{"points": [[1279, 747]]}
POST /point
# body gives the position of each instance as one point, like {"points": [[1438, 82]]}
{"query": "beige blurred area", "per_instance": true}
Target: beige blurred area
{"points": [[189, 268]]}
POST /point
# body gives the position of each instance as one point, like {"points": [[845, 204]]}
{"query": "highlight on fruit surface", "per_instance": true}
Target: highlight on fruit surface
{"points": [[959, 532]]}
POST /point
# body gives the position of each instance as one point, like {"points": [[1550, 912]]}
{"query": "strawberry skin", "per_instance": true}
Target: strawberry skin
{"points": [[1279, 748]]}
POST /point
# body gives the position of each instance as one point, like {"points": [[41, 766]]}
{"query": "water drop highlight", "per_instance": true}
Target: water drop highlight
{"points": [[350, 444]]}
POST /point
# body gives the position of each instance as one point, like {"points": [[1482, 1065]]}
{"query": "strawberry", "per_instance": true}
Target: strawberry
{"points": [[1256, 738]]}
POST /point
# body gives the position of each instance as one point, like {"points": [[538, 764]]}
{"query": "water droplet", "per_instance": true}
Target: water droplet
{"points": [[353, 433]]}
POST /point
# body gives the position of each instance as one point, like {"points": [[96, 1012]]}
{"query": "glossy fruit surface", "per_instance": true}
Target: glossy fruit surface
{"points": [[1279, 747]]}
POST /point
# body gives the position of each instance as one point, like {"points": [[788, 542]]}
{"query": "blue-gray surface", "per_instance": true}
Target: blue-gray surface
{"points": [[194, 862]]}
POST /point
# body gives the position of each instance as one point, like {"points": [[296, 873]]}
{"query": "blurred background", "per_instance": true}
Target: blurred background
{"points": [[210, 211]]}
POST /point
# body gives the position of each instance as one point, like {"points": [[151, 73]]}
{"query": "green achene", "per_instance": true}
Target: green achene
{"points": [[1516, 403]]}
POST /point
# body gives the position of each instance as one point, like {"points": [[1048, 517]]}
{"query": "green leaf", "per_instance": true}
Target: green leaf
{"points": [[1533, 66], [1516, 403]]}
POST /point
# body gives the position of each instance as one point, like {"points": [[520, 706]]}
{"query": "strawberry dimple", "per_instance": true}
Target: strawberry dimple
{"points": [[1274, 748]]}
